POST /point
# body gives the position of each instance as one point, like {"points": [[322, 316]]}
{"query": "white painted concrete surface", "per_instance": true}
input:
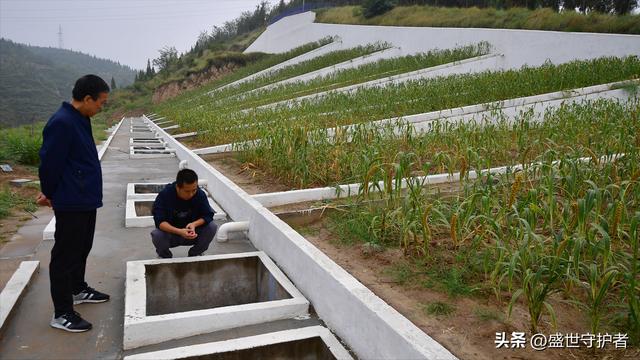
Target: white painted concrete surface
{"points": [[476, 64], [329, 193], [249, 342], [369, 326], [15, 288], [532, 47], [349, 64], [510, 108], [298, 59], [140, 329], [184, 135]]}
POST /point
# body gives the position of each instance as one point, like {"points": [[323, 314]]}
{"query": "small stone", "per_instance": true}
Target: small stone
{"points": [[19, 182], [6, 168]]}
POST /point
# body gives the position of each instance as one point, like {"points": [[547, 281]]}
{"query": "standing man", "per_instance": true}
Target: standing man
{"points": [[71, 183], [183, 217]]}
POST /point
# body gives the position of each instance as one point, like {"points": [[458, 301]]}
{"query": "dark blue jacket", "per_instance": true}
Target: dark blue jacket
{"points": [[70, 173], [177, 212]]}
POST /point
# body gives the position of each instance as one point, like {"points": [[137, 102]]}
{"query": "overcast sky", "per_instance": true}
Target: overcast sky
{"points": [[128, 31]]}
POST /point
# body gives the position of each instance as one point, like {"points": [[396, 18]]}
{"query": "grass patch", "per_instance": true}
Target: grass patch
{"points": [[402, 273], [12, 200], [438, 308], [473, 17], [308, 230], [487, 314]]}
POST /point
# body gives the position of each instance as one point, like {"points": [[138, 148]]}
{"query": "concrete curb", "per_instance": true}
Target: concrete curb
{"points": [[15, 288]]}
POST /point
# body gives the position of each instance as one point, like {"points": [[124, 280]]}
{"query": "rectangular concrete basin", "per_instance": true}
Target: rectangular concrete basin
{"points": [[187, 286], [309, 343], [138, 213], [148, 188], [139, 140], [151, 153], [176, 298], [154, 147]]}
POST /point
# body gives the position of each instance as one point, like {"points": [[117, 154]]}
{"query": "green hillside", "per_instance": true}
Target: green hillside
{"points": [[540, 18], [34, 80]]}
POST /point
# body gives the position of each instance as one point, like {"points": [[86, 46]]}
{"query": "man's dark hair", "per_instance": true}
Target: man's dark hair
{"points": [[91, 85], [186, 176]]}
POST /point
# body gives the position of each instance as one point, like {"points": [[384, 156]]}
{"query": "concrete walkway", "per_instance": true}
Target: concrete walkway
{"points": [[29, 336]]}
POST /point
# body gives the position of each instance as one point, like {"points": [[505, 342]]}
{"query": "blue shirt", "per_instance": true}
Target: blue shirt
{"points": [[177, 212], [70, 173]]}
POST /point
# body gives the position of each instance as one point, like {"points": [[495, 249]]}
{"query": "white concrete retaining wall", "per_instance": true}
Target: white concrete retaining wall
{"points": [[332, 46], [370, 327], [532, 47], [329, 193], [15, 288], [510, 109], [467, 66], [349, 64]]}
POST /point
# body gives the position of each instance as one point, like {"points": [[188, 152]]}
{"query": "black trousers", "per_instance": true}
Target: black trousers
{"points": [[163, 241], [73, 242]]}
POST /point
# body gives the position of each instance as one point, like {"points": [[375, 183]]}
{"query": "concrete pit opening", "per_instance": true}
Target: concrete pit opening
{"points": [[307, 349], [187, 286]]}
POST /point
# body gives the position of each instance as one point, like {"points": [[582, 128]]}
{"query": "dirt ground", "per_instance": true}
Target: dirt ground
{"points": [[470, 331], [194, 142], [248, 177], [10, 224]]}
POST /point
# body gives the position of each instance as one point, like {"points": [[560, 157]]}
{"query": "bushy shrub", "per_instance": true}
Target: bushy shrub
{"points": [[23, 149], [371, 8]]}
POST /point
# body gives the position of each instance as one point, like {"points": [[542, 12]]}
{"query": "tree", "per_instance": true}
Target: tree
{"points": [[150, 72], [168, 56], [624, 6], [113, 83], [371, 8]]}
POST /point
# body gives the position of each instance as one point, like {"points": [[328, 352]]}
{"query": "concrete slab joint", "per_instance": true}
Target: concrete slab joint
{"points": [[177, 298]]}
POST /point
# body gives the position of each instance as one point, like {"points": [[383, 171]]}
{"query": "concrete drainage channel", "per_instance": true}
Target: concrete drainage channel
{"points": [[170, 299], [146, 145]]}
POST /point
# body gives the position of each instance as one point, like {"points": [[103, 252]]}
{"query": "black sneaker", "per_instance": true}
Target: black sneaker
{"points": [[89, 295], [71, 322]]}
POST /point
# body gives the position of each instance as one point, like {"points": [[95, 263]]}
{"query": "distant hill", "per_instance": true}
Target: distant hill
{"points": [[35, 80]]}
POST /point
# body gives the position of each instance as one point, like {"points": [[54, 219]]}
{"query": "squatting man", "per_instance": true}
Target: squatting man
{"points": [[183, 217]]}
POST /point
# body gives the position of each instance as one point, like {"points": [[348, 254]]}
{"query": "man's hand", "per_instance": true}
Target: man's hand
{"points": [[42, 200], [188, 234]]}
